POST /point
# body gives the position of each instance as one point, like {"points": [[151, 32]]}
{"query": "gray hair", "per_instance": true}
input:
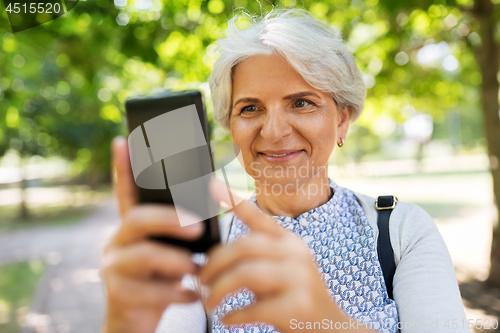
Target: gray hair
{"points": [[311, 47]]}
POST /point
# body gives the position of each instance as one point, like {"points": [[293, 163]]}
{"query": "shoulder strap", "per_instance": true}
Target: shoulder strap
{"points": [[384, 205]]}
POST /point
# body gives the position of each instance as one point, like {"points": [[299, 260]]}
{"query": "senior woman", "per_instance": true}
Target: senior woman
{"points": [[302, 251]]}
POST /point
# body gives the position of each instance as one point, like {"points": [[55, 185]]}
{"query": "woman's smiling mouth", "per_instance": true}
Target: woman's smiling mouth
{"points": [[279, 155]]}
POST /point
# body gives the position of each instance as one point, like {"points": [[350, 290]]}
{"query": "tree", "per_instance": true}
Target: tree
{"points": [[63, 84], [477, 26], [488, 57]]}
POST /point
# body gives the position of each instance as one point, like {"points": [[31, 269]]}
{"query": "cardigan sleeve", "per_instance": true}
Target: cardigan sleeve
{"points": [[425, 285], [183, 317]]}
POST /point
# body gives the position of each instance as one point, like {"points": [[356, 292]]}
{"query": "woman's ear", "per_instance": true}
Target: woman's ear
{"points": [[343, 126]]}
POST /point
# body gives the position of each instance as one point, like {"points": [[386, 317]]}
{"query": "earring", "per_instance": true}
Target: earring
{"points": [[341, 142]]}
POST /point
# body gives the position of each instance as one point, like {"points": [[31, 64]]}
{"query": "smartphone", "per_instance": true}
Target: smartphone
{"points": [[171, 159]]}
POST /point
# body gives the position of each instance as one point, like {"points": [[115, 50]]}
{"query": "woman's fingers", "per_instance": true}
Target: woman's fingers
{"points": [[253, 218], [124, 290], [263, 277], [156, 219], [122, 175], [257, 245], [143, 277], [146, 259]]}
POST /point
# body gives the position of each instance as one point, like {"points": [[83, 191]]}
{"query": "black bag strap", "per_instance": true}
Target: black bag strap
{"points": [[384, 205]]}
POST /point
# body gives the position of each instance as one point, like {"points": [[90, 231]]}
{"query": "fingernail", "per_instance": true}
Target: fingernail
{"points": [[118, 139], [219, 190], [222, 187], [195, 227], [188, 219]]}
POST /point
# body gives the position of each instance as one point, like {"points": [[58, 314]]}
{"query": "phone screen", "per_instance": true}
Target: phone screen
{"points": [[171, 157]]}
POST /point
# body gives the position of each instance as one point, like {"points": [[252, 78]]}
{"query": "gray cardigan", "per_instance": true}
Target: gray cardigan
{"points": [[425, 287]]}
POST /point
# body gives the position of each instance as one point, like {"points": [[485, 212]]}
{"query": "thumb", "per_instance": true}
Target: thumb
{"points": [[123, 180], [253, 218]]}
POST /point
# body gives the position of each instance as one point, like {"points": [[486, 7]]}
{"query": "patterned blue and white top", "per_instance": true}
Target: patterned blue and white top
{"points": [[343, 244]]}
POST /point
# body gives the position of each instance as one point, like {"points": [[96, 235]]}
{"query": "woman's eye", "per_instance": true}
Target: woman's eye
{"points": [[249, 108], [301, 103]]}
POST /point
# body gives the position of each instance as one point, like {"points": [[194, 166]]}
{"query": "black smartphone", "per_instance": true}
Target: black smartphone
{"points": [[171, 159]]}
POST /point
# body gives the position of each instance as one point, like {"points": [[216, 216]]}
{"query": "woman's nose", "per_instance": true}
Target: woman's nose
{"points": [[275, 126]]}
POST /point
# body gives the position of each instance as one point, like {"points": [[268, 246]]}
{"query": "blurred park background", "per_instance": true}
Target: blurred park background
{"points": [[430, 133]]}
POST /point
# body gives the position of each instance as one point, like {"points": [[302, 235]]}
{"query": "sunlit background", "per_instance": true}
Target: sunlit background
{"points": [[63, 86]]}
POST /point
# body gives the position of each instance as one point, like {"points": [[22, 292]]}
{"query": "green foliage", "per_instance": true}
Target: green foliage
{"points": [[63, 84], [18, 282]]}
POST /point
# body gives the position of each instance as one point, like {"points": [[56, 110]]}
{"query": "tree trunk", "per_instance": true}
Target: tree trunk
{"points": [[488, 57], [93, 173], [23, 211]]}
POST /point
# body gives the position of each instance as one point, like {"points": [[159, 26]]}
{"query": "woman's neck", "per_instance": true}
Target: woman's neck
{"points": [[295, 198]]}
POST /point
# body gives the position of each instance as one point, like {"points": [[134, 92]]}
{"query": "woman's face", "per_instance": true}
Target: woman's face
{"points": [[276, 112]]}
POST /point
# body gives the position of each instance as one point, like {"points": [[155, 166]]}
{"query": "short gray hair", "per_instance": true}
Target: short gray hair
{"points": [[311, 47]]}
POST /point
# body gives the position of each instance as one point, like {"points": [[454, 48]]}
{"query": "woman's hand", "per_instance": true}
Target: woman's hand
{"points": [[274, 264], [143, 277]]}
